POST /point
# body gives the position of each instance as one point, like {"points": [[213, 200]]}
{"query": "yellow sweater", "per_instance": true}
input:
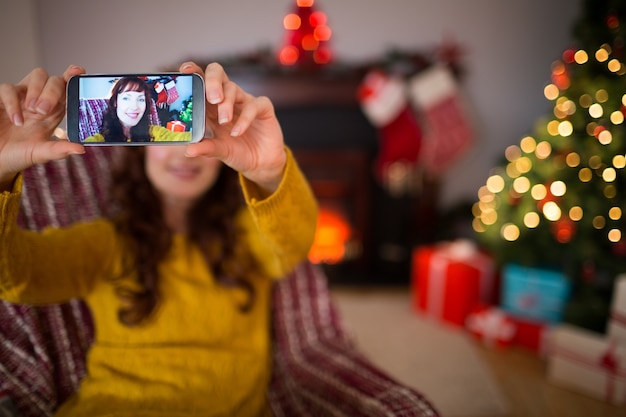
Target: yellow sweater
{"points": [[158, 133], [197, 355]]}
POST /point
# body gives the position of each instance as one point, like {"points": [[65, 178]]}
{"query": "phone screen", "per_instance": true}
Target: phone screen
{"points": [[135, 109]]}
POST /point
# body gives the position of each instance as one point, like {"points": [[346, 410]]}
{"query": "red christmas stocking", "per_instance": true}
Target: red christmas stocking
{"points": [[447, 131], [161, 100], [384, 102], [172, 91]]}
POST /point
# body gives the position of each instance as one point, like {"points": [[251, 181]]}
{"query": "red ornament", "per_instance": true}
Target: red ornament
{"points": [[563, 230], [560, 76], [568, 56], [612, 22], [597, 130]]}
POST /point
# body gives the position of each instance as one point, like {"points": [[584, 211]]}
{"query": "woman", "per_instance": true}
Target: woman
{"points": [[179, 279], [127, 117]]}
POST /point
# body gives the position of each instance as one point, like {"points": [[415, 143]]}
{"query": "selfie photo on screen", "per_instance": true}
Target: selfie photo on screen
{"points": [[135, 108]]}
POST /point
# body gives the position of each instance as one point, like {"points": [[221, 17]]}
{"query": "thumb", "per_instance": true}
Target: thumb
{"points": [[212, 147], [55, 150]]}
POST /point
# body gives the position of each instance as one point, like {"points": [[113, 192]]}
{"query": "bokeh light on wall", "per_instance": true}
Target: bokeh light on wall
{"points": [[306, 37]]}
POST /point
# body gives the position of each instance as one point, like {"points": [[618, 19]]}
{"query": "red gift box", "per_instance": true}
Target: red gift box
{"points": [[532, 334], [492, 326], [176, 126], [450, 279]]}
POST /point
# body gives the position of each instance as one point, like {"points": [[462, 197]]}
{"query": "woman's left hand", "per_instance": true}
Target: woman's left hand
{"points": [[243, 131]]}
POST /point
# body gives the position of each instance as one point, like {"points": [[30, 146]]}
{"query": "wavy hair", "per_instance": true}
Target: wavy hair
{"points": [[111, 128], [140, 220]]}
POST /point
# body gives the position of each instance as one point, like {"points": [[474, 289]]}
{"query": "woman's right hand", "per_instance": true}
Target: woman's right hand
{"points": [[29, 112]]}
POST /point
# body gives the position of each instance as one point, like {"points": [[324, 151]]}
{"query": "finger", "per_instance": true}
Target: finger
{"points": [[206, 147], [226, 106], [9, 99], [51, 96], [214, 79], [53, 93], [190, 67], [72, 71], [34, 83], [255, 108]]}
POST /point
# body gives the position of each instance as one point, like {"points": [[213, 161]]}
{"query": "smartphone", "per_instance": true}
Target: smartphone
{"points": [[135, 109]]}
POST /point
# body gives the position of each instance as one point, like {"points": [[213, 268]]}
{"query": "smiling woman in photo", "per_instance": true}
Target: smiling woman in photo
{"points": [[127, 118]]}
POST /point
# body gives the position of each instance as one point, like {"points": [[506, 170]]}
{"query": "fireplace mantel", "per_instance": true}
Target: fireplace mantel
{"points": [[301, 89]]}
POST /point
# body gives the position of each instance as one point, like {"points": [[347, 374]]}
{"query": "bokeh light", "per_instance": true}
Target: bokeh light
{"points": [[581, 57], [531, 220], [551, 211], [292, 21], [510, 232]]}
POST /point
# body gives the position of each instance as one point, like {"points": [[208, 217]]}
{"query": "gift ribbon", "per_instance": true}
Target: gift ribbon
{"points": [[493, 325], [437, 285], [457, 251], [608, 362]]}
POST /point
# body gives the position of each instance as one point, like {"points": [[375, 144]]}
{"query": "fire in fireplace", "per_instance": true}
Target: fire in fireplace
{"points": [[334, 241]]}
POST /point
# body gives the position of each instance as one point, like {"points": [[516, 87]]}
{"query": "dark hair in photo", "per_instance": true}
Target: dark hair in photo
{"points": [[111, 128]]}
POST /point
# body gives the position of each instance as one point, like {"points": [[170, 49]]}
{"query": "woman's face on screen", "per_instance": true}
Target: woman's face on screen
{"points": [[131, 105]]}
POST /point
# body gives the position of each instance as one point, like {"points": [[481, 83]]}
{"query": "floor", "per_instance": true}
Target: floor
{"points": [[521, 376]]}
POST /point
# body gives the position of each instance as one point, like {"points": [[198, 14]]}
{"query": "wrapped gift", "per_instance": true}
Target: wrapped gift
{"points": [[532, 334], [449, 279], [535, 293], [492, 326], [587, 362], [176, 126], [616, 328]]}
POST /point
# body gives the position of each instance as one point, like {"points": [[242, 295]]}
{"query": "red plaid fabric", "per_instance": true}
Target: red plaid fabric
{"points": [[317, 371]]}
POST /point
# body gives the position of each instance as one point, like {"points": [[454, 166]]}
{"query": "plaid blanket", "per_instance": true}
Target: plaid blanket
{"points": [[317, 369]]}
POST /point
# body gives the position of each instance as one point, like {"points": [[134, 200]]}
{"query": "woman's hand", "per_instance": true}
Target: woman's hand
{"points": [[243, 130], [29, 112]]}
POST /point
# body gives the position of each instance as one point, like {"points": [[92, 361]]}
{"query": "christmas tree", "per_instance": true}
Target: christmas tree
{"points": [[186, 113], [558, 199], [306, 37]]}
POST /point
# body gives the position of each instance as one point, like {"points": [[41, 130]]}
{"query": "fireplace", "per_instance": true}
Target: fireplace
{"points": [[364, 235], [340, 181]]}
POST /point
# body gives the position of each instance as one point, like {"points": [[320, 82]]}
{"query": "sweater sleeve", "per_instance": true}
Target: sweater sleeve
{"points": [[53, 265], [285, 220]]}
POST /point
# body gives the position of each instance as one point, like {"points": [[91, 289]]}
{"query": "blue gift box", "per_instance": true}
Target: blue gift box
{"points": [[534, 292]]}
